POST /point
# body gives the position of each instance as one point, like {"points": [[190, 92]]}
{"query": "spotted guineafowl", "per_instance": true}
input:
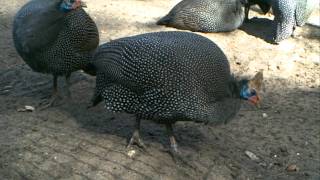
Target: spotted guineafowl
{"points": [[206, 15], [288, 14], [56, 37], [168, 77]]}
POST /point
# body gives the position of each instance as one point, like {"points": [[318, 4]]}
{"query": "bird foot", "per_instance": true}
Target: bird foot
{"points": [[47, 103], [178, 157], [135, 139]]}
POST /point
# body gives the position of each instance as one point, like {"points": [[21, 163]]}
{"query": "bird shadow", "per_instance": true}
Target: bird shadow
{"points": [[311, 31], [99, 120], [259, 27], [21, 81]]}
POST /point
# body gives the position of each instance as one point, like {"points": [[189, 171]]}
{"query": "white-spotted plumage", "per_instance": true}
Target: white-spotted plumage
{"points": [[289, 14], [205, 15], [166, 77]]}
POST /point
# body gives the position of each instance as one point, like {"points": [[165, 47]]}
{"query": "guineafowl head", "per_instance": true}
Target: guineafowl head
{"points": [[69, 5], [249, 89]]}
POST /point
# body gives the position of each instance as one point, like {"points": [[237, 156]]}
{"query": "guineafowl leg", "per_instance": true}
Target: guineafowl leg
{"points": [[54, 97], [68, 86], [175, 153], [246, 9], [135, 139], [173, 142]]}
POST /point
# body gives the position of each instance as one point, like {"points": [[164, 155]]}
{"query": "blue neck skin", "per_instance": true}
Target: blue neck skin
{"points": [[245, 93], [65, 7]]}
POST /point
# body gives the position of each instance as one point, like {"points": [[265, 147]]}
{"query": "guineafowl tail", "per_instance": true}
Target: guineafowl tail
{"points": [[164, 21]]}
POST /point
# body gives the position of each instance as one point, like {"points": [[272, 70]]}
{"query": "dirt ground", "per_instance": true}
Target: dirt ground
{"points": [[70, 142]]}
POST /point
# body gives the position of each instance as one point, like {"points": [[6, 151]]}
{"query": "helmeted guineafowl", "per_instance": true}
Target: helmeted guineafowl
{"points": [[206, 15], [56, 37], [288, 14], [168, 77]]}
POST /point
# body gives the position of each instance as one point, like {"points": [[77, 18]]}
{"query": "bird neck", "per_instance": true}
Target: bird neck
{"points": [[65, 7], [224, 109], [243, 86]]}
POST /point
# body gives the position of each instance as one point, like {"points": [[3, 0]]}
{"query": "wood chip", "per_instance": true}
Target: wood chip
{"points": [[251, 155], [26, 109]]}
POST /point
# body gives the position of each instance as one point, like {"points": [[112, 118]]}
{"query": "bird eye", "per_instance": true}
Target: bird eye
{"points": [[253, 92]]}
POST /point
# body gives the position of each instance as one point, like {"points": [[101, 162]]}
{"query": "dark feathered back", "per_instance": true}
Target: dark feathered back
{"points": [[51, 41]]}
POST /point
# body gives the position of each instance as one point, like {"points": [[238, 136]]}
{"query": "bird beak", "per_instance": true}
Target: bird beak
{"points": [[255, 100], [83, 4]]}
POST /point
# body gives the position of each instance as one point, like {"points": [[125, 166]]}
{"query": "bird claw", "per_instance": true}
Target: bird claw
{"points": [[135, 139], [49, 103], [178, 158]]}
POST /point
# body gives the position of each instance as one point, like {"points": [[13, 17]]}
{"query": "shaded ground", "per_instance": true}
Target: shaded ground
{"points": [[71, 142]]}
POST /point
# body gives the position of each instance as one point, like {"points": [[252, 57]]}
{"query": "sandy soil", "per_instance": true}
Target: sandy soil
{"points": [[71, 142]]}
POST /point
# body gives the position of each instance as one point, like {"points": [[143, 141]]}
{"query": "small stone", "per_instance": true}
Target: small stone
{"points": [[264, 115], [283, 149], [131, 153], [270, 165], [251, 155], [292, 168]]}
